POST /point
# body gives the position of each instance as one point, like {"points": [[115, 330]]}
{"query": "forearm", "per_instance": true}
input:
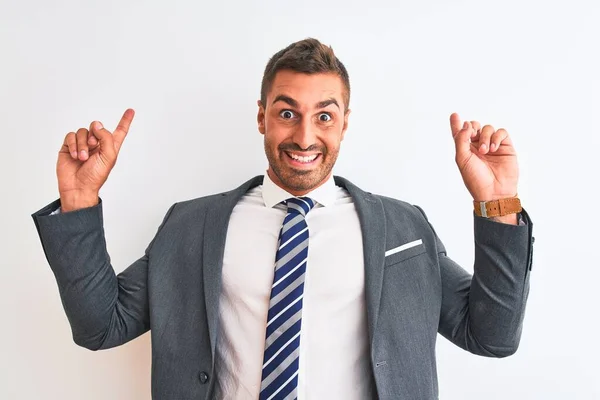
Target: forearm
{"points": [[103, 310], [483, 313], [500, 285]]}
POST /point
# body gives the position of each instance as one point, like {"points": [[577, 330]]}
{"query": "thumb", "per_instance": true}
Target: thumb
{"points": [[105, 138]]}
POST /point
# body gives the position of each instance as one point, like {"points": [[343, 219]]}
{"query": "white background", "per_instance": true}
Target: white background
{"points": [[192, 72]]}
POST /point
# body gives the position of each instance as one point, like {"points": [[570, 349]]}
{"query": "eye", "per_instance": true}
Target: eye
{"points": [[324, 117], [286, 114]]}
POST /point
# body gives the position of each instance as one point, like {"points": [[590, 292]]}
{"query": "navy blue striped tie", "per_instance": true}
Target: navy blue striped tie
{"points": [[282, 346]]}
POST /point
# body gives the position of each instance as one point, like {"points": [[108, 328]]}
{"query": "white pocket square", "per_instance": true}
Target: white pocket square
{"points": [[405, 246]]}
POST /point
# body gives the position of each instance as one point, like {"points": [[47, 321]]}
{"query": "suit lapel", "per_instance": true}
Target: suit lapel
{"points": [[372, 222], [215, 234]]}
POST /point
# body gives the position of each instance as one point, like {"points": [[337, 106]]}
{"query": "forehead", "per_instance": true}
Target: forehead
{"points": [[307, 89]]}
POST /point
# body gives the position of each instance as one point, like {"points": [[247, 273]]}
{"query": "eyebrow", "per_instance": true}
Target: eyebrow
{"points": [[286, 99], [294, 103], [325, 103]]}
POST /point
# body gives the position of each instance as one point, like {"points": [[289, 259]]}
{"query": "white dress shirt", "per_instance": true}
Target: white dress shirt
{"points": [[334, 348]]}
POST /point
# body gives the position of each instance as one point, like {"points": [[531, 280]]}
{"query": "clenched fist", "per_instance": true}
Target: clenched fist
{"points": [[486, 159], [85, 161]]}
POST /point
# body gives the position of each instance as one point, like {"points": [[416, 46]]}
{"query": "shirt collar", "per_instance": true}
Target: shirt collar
{"points": [[273, 194]]}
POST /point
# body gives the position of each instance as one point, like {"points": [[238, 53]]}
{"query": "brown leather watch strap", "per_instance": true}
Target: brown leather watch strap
{"points": [[497, 208]]}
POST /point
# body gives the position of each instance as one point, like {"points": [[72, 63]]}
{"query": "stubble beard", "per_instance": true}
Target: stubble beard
{"points": [[295, 179]]}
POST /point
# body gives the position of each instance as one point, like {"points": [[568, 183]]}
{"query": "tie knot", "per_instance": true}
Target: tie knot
{"points": [[300, 205]]}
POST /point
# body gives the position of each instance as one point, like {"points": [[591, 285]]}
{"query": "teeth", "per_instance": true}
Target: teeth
{"points": [[303, 159]]}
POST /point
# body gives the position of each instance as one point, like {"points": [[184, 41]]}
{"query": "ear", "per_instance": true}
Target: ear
{"points": [[260, 117], [346, 115]]}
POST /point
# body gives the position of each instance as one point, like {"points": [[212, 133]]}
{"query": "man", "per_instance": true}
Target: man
{"points": [[297, 284]]}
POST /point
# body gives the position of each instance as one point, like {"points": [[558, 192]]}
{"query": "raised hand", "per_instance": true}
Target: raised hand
{"points": [[486, 159], [85, 161]]}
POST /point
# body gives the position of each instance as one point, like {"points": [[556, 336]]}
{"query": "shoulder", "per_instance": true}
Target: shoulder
{"points": [[200, 203], [220, 203], [397, 204], [197, 208], [394, 208]]}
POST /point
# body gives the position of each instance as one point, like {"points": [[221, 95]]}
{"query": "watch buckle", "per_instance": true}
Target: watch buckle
{"points": [[483, 209]]}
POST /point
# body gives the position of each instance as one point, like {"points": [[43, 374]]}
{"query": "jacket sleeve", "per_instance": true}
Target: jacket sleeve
{"points": [[104, 310], [483, 313]]}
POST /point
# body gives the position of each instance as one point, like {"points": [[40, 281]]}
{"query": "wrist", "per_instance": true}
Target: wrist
{"points": [[76, 200], [493, 197], [507, 219], [504, 208]]}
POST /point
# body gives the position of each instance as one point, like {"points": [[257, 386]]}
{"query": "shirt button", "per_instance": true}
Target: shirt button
{"points": [[203, 376]]}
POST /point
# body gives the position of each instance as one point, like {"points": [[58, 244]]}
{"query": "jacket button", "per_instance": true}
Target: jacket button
{"points": [[203, 376]]}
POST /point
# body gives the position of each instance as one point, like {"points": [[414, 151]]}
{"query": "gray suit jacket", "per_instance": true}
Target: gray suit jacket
{"points": [[174, 290]]}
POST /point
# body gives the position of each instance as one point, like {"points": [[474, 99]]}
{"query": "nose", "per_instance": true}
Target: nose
{"points": [[304, 135]]}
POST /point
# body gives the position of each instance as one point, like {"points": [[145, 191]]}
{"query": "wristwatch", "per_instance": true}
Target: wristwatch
{"points": [[497, 208]]}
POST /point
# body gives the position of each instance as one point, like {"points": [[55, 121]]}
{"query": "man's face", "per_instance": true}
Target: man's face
{"points": [[304, 121]]}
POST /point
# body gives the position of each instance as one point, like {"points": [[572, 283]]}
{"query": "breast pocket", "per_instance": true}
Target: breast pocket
{"points": [[404, 252]]}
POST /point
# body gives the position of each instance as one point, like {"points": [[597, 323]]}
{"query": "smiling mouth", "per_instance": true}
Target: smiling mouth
{"points": [[304, 160]]}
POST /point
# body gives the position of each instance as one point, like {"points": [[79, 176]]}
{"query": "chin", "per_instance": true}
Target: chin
{"points": [[302, 180], [299, 180]]}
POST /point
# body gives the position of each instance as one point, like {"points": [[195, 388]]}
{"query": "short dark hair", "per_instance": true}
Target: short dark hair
{"points": [[308, 56]]}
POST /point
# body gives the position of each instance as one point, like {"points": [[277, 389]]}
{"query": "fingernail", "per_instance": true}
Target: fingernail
{"points": [[98, 125], [483, 147], [74, 154], [83, 154], [465, 125], [492, 146]]}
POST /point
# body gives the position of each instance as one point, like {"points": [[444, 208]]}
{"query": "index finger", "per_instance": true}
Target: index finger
{"points": [[123, 128], [455, 124]]}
